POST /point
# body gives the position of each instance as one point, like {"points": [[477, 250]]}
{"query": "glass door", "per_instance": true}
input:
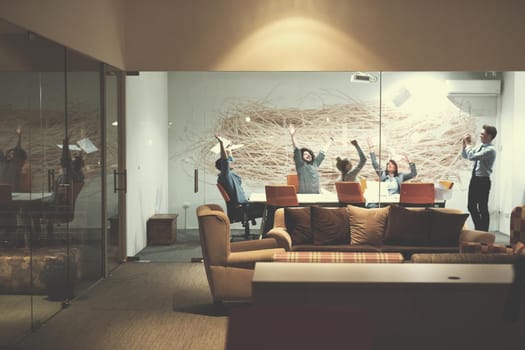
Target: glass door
{"points": [[115, 175]]}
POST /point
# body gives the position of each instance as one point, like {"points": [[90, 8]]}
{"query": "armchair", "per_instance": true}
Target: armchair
{"points": [[229, 266]]}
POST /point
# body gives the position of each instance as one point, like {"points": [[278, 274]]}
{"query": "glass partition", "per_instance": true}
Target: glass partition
{"points": [[52, 207], [32, 97], [415, 119], [114, 177]]}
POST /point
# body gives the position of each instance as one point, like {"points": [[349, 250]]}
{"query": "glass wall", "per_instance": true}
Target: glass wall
{"points": [[52, 153], [416, 119]]}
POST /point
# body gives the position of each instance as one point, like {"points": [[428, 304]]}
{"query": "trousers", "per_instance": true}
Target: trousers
{"points": [[478, 199]]}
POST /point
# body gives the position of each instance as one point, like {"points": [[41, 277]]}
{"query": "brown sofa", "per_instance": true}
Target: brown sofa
{"points": [[388, 229]]}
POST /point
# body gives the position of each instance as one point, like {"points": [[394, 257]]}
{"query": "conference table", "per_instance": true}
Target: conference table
{"points": [[326, 199], [376, 194], [330, 199], [26, 204]]}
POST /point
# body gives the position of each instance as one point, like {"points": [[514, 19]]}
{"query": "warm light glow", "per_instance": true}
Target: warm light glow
{"points": [[115, 123], [297, 43]]}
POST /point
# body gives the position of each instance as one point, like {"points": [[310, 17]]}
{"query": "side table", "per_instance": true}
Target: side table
{"points": [[162, 229]]}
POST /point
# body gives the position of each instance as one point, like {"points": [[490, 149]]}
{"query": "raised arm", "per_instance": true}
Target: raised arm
{"points": [[19, 133], [224, 155], [413, 170], [292, 130], [373, 158], [328, 144], [362, 157]]}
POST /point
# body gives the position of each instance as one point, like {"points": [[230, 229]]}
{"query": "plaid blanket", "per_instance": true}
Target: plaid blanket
{"points": [[338, 257]]}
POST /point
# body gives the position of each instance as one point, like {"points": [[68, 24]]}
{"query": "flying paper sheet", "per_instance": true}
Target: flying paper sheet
{"points": [[227, 145], [87, 146]]}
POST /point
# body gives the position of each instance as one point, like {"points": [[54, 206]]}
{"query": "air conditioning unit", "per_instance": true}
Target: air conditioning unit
{"points": [[477, 98], [473, 87]]}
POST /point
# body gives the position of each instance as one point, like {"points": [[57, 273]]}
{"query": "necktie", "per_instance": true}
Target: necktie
{"points": [[476, 162]]}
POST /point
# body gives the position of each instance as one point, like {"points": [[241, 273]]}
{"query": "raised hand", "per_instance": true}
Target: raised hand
{"points": [[291, 129]]}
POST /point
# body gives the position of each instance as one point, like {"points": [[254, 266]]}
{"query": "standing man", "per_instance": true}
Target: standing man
{"points": [[479, 187]]}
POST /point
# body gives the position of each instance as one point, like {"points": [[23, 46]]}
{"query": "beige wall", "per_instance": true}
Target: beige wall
{"points": [[325, 35], [94, 27], [328, 35]]}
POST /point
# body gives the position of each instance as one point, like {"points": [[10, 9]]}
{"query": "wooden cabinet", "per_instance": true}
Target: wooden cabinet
{"points": [[162, 229]]}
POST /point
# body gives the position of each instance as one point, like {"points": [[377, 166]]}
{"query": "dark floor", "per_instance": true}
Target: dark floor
{"points": [[188, 248]]}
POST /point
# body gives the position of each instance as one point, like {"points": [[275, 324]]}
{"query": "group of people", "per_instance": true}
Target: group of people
{"points": [[307, 167]]}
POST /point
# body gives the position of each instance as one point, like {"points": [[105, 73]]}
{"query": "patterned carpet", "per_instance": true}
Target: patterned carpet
{"points": [[140, 306]]}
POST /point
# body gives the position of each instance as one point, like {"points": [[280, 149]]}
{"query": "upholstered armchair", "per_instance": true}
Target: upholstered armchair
{"points": [[517, 225], [229, 265]]}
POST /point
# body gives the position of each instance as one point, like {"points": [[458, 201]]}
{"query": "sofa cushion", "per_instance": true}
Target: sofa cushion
{"points": [[463, 258], [336, 248], [480, 248], [330, 225], [407, 227], [297, 222], [367, 225], [445, 228]]}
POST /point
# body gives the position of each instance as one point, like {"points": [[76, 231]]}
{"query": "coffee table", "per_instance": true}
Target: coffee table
{"points": [[406, 304]]}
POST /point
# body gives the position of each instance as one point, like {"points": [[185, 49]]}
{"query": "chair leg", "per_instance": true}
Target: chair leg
{"points": [[246, 225]]}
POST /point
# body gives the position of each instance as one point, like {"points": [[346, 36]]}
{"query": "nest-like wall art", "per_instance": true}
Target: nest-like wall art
{"points": [[431, 141]]}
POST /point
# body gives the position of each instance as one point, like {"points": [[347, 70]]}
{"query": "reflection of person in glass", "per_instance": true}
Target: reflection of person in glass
{"points": [[307, 164], [479, 187], [345, 166], [391, 175], [60, 206], [11, 164]]}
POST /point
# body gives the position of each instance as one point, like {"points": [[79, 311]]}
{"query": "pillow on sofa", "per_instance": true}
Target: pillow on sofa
{"points": [[297, 221], [445, 228], [330, 225], [367, 225], [408, 227]]}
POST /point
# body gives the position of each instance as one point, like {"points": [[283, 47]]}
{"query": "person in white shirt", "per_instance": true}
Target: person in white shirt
{"points": [[483, 157]]}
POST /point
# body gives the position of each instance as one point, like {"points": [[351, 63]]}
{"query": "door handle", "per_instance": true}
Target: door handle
{"points": [[119, 178]]}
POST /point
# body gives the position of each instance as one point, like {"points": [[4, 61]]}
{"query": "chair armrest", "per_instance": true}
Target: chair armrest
{"points": [[477, 236], [248, 259], [282, 237], [243, 246]]}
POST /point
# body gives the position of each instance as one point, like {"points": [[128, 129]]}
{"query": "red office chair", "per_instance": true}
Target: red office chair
{"points": [[350, 192], [417, 194], [277, 196], [293, 179], [281, 195]]}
